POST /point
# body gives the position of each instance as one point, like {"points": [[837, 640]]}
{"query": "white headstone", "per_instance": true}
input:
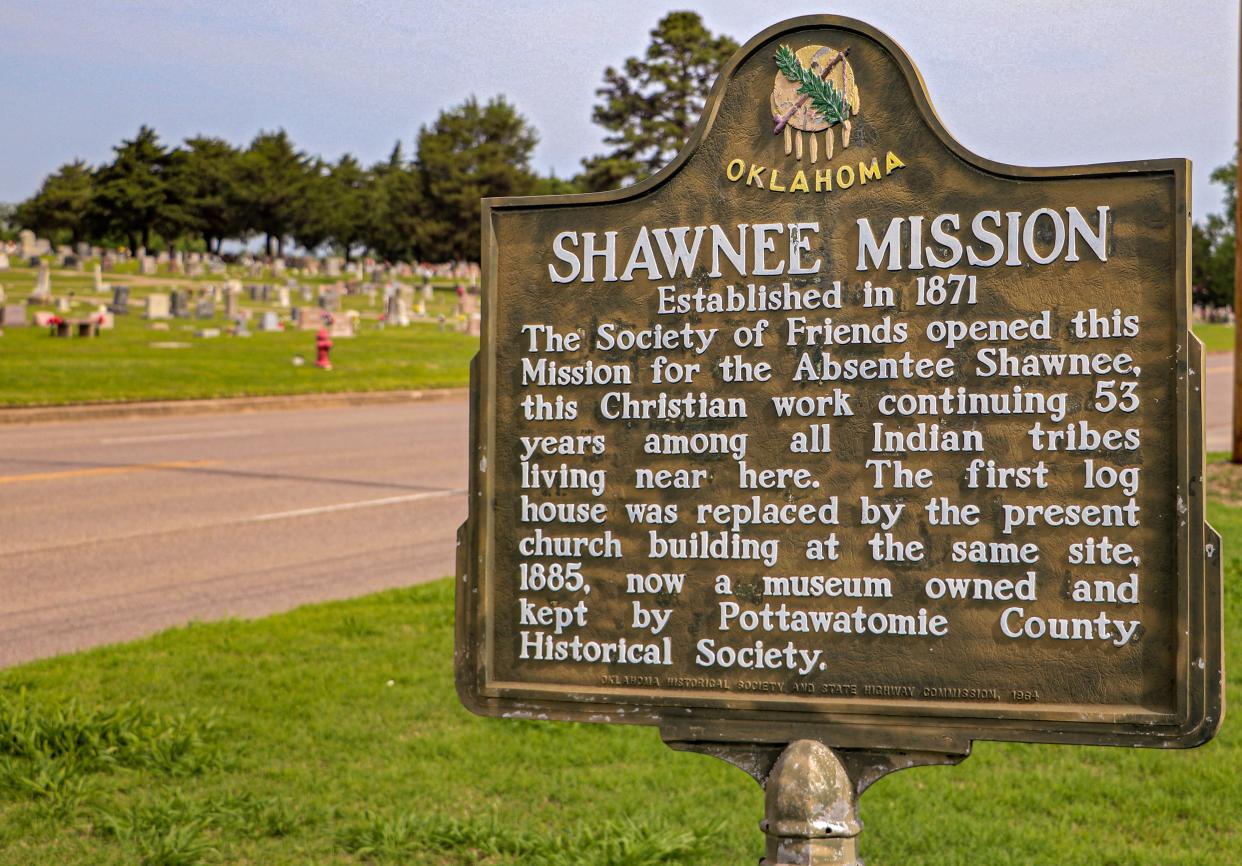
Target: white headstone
{"points": [[157, 306], [43, 284]]}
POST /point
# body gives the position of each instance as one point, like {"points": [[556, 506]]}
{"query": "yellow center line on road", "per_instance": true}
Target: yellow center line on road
{"points": [[104, 470]]}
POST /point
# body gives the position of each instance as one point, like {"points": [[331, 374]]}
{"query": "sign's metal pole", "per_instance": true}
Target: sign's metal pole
{"points": [[810, 809], [1237, 278]]}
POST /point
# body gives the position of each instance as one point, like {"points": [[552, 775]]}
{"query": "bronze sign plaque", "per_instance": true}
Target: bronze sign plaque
{"points": [[833, 426]]}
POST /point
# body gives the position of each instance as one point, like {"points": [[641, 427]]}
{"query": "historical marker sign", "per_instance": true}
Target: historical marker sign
{"points": [[836, 429]]}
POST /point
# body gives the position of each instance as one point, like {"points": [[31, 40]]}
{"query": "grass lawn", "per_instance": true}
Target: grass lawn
{"points": [[128, 362], [332, 735], [1216, 338]]}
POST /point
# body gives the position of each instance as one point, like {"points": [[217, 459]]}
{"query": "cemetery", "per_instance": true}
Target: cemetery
{"points": [[97, 330]]}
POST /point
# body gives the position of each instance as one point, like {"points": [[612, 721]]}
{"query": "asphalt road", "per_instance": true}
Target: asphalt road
{"points": [[110, 530]]}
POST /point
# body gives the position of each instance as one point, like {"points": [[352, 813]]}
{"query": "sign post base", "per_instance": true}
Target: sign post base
{"points": [[811, 793]]}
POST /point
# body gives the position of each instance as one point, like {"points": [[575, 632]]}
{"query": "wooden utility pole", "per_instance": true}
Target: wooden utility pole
{"points": [[1237, 277]]}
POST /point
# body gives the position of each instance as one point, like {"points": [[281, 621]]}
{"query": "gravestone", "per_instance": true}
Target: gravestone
{"points": [[269, 321], [397, 313], [4, 261], [808, 449], [232, 302], [282, 296], [179, 304], [205, 309], [43, 284], [157, 306], [147, 265], [13, 316], [28, 247], [428, 292], [344, 325], [311, 318], [62, 304], [104, 318], [120, 301], [98, 278]]}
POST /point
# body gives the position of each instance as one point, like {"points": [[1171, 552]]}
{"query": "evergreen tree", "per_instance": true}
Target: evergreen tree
{"points": [[1212, 246], [273, 180], [650, 106], [132, 193], [394, 208], [60, 205], [207, 181], [470, 152], [349, 193]]}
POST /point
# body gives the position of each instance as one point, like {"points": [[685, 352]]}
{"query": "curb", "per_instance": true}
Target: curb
{"points": [[169, 408]]}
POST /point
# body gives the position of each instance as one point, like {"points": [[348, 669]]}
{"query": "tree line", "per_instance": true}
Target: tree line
{"points": [[1212, 245], [205, 190]]}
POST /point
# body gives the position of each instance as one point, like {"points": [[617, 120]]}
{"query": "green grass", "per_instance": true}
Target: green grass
{"points": [[1216, 338], [125, 363], [332, 735]]}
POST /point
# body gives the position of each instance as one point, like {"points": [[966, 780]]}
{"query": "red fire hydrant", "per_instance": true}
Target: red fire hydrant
{"points": [[324, 346]]}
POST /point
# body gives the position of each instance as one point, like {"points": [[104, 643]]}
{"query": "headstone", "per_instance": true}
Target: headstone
{"points": [[207, 333], [306, 294], [205, 309], [332, 267], [104, 318], [474, 324], [917, 392], [397, 313], [311, 318], [44, 318], [232, 302], [157, 306], [282, 296], [13, 315], [147, 266], [43, 284], [62, 304], [428, 292], [179, 307], [344, 324], [4, 261], [120, 301], [28, 247], [98, 279], [269, 321]]}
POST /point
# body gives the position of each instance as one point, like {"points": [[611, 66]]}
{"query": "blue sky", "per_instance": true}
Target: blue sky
{"points": [[1038, 82]]}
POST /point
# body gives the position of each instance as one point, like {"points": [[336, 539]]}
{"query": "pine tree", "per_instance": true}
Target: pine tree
{"points": [[471, 151], [652, 104]]}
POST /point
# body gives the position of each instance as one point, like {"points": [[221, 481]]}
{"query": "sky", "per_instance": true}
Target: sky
{"points": [[1033, 82]]}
